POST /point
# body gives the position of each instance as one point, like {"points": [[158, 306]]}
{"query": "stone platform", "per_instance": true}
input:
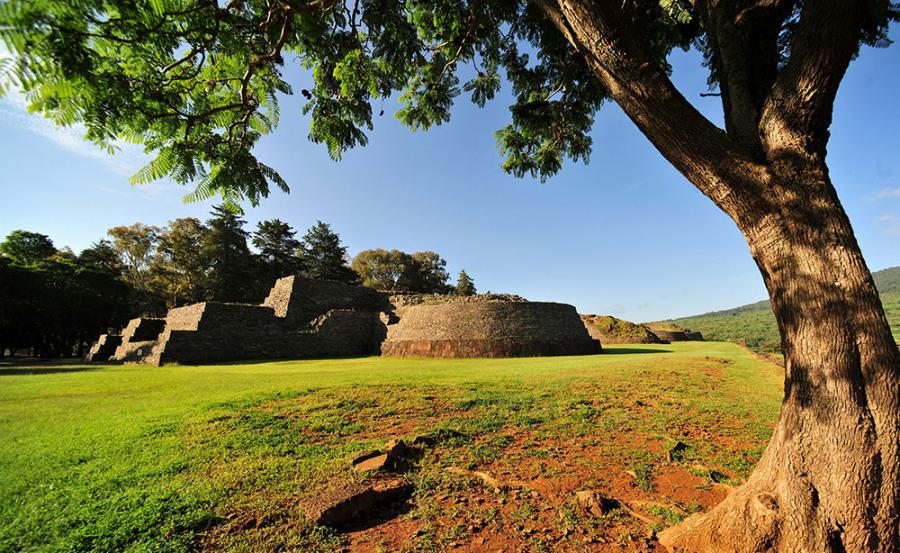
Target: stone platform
{"points": [[488, 329]]}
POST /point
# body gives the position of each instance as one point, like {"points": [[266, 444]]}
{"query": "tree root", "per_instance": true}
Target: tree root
{"points": [[745, 521]]}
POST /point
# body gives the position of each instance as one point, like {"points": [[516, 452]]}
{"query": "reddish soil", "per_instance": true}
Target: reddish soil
{"points": [[537, 510], [534, 508]]}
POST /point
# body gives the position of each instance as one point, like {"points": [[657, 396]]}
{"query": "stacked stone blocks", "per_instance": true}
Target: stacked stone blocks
{"points": [[304, 319]]}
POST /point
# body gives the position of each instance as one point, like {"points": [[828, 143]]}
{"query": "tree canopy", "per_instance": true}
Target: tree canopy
{"points": [[278, 247], [397, 271], [465, 286], [52, 303], [323, 255], [198, 81], [27, 248]]}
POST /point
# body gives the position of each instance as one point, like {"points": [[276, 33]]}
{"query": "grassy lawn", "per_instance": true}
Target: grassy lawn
{"points": [[135, 458]]}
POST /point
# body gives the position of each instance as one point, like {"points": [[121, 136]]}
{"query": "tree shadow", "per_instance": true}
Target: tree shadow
{"points": [[622, 351], [37, 370]]}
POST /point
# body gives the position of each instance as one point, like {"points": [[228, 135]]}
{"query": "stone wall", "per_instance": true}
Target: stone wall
{"points": [[671, 333], [298, 301], [142, 329], [488, 329], [229, 332], [138, 339], [300, 319], [303, 318], [104, 348]]}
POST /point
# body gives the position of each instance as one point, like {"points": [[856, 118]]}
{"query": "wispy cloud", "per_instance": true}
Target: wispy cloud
{"points": [[126, 161], [888, 193], [889, 224]]}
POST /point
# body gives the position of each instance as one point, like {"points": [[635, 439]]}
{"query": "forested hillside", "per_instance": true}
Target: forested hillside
{"points": [[755, 324]]}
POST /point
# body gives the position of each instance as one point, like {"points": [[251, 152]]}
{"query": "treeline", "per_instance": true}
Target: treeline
{"points": [[53, 302]]}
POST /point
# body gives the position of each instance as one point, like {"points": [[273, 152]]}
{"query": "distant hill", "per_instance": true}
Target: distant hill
{"points": [[755, 324]]}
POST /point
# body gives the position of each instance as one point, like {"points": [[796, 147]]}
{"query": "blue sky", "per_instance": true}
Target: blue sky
{"points": [[625, 235]]}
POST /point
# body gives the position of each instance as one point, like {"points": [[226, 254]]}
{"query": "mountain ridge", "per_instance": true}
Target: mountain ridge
{"points": [[754, 323]]}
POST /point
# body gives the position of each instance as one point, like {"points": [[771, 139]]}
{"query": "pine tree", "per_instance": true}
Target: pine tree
{"points": [[102, 256], [465, 286], [278, 247], [231, 272], [323, 255]]}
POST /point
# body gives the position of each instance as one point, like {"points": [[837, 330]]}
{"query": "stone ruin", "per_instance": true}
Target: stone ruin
{"points": [[301, 318], [671, 333], [305, 319], [476, 326], [610, 330]]}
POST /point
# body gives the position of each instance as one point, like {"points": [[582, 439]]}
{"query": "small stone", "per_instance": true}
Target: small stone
{"points": [[364, 456], [594, 503], [380, 462], [355, 500], [486, 478]]}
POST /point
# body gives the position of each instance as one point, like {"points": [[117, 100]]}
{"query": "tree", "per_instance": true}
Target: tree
{"points": [[278, 248], [231, 274], [136, 246], [383, 269], [181, 263], [102, 255], [430, 273], [397, 271], [27, 248], [323, 255], [828, 480], [465, 286], [55, 307]]}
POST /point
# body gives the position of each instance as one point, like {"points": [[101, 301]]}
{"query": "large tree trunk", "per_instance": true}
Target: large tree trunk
{"points": [[828, 481]]}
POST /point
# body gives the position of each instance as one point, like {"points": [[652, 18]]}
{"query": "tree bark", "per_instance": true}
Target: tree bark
{"points": [[829, 480]]}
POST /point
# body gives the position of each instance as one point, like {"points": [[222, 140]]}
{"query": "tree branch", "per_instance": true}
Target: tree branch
{"points": [[719, 167], [743, 38], [796, 115]]}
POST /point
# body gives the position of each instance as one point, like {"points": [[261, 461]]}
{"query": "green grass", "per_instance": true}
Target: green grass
{"points": [[136, 458], [755, 324]]}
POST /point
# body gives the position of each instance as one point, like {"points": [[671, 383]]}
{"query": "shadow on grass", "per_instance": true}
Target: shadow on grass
{"points": [[264, 361], [33, 365], [620, 351], [20, 370]]}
